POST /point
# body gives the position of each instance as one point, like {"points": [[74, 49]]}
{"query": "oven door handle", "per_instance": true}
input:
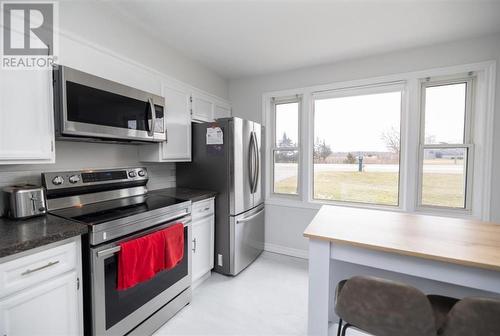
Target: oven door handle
{"points": [[114, 249], [107, 252]]}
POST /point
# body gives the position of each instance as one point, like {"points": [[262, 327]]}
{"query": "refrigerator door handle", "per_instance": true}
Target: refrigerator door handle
{"points": [[253, 144], [251, 164], [257, 163]]}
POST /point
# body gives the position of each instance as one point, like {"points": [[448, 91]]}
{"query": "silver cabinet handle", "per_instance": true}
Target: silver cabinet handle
{"points": [[206, 209], [194, 245], [249, 218], [29, 271], [153, 117]]}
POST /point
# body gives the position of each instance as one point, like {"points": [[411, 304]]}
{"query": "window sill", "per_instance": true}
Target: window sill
{"points": [[316, 205]]}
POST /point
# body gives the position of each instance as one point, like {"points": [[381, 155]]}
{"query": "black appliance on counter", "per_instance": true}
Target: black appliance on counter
{"points": [[115, 205]]}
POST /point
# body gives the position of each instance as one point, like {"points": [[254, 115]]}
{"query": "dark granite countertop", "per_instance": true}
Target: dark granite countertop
{"points": [[193, 195], [22, 235]]}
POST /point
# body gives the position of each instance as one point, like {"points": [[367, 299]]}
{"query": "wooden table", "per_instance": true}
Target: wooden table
{"points": [[456, 251]]}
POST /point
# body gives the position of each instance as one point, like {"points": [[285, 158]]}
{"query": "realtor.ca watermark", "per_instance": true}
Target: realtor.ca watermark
{"points": [[29, 35]]}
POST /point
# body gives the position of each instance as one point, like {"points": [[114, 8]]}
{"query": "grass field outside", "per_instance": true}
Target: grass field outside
{"points": [[380, 187]]}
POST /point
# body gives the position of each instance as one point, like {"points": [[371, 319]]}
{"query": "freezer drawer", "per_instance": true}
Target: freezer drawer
{"points": [[247, 233]]}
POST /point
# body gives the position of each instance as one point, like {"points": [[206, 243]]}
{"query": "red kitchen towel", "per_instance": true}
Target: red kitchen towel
{"points": [[142, 258], [174, 238]]}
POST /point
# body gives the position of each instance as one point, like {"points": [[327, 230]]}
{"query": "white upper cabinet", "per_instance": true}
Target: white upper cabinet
{"points": [[222, 110], [178, 125], [205, 108], [202, 107], [26, 117]]}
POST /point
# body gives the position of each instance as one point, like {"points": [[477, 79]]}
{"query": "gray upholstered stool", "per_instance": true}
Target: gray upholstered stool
{"points": [[474, 317], [387, 308], [441, 305]]}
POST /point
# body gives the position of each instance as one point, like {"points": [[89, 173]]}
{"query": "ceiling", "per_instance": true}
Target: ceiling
{"points": [[241, 38]]}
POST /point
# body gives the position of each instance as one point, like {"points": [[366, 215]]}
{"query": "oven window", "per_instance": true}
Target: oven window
{"points": [[93, 106], [119, 304]]}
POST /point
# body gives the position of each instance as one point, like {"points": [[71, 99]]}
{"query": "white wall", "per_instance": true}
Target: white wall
{"points": [[99, 24], [286, 224]]}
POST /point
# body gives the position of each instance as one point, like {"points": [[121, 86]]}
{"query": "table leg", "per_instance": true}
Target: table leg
{"points": [[320, 288]]}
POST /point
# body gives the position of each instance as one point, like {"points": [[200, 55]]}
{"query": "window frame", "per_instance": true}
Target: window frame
{"points": [[482, 129], [273, 148], [372, 89], [468, 140]]}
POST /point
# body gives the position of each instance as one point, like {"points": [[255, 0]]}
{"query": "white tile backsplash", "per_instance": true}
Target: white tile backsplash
{"points": [[72, 155]]}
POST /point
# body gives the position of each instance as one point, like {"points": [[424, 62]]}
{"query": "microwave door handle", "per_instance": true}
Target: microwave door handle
{"points": [[151, 130]]}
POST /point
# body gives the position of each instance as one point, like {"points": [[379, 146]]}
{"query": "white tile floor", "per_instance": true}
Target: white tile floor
{"points": [[268, 298]]}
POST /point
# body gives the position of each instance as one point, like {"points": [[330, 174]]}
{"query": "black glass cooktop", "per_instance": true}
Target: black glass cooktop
{"points": [[101, 212]]}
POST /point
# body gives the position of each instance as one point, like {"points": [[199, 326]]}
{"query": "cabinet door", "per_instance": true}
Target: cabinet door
{"points": [[26, 116], [178, 125], [202, 108], [222, 111], [178, 144], [203, 246], [50, 308]]}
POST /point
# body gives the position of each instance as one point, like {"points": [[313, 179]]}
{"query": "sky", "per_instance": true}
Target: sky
{"points": [[356, 123]]}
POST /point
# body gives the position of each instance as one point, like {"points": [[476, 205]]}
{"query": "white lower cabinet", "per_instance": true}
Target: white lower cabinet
{"points": [[203, 240], [41, 293], [48, 309]]}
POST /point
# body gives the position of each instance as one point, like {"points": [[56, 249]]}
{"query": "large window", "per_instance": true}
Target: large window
{"points": [[446, 143], [420, 141], [357, 146], [286, 146]]}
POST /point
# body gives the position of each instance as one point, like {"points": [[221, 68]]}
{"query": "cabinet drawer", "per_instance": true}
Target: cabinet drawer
{"points": [[32, 269], [203, 208]]}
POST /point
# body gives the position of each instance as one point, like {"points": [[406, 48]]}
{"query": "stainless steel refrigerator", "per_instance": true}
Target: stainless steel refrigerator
{"points": [[227, 158]]}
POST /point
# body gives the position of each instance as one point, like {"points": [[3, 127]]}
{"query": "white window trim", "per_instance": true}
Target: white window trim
{"points": [[272, 145], [467, 144], [482, 128], [358, 91]]}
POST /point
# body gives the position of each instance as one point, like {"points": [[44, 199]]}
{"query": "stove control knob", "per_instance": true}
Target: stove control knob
{"points": [[74, 179], [142, 173], [131, 174], [58, 180]]}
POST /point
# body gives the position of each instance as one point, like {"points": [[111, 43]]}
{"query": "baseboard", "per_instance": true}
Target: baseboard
{"points": [[289, 251], [198, 281]]}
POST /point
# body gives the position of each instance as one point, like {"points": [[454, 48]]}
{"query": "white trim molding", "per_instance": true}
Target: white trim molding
{"points": [[289, 251]]}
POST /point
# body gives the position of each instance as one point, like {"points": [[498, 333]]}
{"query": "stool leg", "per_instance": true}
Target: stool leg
{"points": [[344, 329], [340, 327]]}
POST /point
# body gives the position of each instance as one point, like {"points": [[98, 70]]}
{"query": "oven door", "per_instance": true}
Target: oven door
{"points": [[116, 312], [90, 106]]}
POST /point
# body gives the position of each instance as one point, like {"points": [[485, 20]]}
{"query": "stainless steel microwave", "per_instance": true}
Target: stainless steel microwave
{"points": [[88, 107]]}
